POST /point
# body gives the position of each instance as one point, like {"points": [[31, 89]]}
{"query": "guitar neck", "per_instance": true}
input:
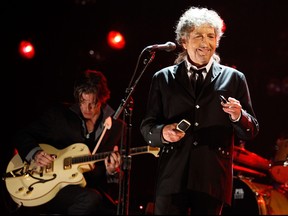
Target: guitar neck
{"points": [[101, 156]]}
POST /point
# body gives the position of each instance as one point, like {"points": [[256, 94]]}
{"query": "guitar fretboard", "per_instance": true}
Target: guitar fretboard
{"points": [[103, 155]]}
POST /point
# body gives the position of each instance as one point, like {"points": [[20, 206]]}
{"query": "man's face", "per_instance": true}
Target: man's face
{"points": [[89, 105], [201, 44]]}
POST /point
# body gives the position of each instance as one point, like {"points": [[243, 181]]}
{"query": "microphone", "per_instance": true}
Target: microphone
{"points": [[168, 47]]}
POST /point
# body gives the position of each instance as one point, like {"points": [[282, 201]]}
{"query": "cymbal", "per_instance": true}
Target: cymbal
{"points": [[246, 170], [243, 156]]}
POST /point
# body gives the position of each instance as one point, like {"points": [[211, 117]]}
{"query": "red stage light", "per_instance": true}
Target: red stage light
{"points": [[26, 49], [116, 40]]}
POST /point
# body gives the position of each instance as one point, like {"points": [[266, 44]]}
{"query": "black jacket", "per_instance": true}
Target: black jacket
{"points": [[202, 160]]}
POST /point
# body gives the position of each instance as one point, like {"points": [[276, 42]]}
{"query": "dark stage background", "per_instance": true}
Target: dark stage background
{"points": [[63, 32]]}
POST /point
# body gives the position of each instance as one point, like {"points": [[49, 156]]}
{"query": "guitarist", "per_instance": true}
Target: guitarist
{"points": [[82, 122]]}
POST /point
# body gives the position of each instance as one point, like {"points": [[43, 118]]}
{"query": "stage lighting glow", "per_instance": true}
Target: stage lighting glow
{"points": [[26, 49], [116, 40]]}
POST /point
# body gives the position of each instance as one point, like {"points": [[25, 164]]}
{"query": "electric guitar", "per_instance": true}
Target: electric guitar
{"points": [[32, 185]]}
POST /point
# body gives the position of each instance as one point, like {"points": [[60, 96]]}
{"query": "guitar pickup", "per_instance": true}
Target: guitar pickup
{"points": [[67, 163]]}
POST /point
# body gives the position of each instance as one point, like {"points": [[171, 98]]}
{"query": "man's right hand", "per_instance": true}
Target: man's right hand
{"points": [[43, 159], [171, 134]]}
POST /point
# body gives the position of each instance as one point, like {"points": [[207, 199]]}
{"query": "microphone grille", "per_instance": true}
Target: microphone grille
{"points": [[172, 46]]}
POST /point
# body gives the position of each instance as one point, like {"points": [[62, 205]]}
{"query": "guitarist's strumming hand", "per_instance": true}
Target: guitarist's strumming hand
{"points": [[113, 162], [43, 159]]}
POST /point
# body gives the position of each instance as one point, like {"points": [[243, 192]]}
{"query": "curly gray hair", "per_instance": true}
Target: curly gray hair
{"points": [[195, 17]]}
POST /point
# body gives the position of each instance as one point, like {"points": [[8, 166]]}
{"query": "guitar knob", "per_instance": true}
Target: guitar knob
{"points": [[21, 189], [30, 189], [74, 175]]}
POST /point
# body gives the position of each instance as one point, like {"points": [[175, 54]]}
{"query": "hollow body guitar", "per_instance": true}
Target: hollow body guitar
{"points": [[31, 185]]}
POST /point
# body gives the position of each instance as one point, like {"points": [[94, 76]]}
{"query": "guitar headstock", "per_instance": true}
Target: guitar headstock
{"points": [[153, 150], [145, 149]]}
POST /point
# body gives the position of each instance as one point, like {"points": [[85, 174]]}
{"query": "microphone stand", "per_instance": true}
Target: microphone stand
{"points": [[127, 105]]}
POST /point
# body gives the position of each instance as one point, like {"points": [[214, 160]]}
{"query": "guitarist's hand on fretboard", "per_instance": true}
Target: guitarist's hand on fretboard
{"points": [[113, 161]]}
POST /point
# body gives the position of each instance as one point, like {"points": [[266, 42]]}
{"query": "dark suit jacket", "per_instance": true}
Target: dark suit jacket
{"points": [[202, 160]]}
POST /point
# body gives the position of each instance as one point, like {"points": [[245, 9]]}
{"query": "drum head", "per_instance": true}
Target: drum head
{"points": [[256, 199], [244, 200]]}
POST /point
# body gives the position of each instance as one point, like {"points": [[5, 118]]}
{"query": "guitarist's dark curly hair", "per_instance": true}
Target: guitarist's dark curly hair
{"points": [[92, 81]]}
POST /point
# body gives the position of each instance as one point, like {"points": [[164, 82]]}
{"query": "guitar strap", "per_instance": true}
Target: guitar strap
{"points": [[107, 125]]}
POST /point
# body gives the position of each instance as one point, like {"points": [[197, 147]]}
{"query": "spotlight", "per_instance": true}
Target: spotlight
{"points": [[26, 49], [116, 40]]}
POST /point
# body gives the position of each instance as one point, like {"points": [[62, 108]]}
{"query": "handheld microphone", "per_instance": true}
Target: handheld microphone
{"points": [[168, 47]]}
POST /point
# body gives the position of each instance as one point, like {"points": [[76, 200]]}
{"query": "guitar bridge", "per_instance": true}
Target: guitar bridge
{"points": [[49, 168]]}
